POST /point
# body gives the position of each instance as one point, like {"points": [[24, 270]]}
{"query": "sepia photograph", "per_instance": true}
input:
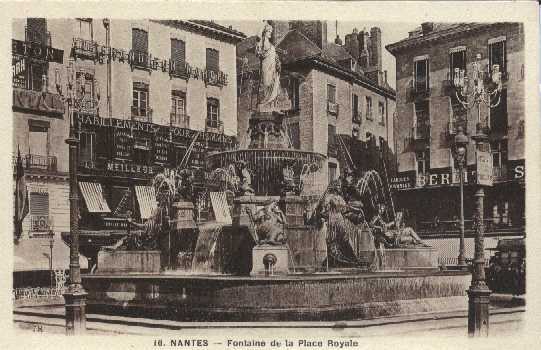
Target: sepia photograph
{"points": [[173, 175]]}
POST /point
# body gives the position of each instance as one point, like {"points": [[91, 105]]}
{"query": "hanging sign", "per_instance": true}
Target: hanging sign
{"points": [[484, 168]]}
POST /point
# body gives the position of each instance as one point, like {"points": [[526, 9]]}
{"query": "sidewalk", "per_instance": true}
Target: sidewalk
{"points": [[506, 310]]}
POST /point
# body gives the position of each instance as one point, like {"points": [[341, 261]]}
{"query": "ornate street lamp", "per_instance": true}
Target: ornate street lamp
{"points": [[75, 295], [460, 143], [482, 88]]}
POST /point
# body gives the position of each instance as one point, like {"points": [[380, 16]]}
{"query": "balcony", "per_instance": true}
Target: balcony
{"points": [[180, 120], [32, 36], [421, 131], [39, 223], [332, 108], [178, 69], [37, 162], [499, 174], [85, 49], [140, 60], [141, 114], [214, 126], [419, 90]]}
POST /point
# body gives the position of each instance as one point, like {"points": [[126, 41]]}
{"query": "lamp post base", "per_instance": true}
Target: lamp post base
{"points": [[478, 313], [75, 299]]}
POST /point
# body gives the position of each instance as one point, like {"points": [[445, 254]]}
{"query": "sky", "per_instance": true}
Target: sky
{"points": [[390, 33]]}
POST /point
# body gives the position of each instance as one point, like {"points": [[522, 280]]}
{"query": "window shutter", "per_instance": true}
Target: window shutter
{"points": [[39, 204], [178, 54], [139, 40], [213, 60]]}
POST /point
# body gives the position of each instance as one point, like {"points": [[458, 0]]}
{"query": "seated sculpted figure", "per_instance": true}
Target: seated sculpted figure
{"points": [[392, 234], [245, 179]]}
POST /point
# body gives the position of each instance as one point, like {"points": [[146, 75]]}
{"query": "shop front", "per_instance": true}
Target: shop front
{"points": [[118, 160], [431, 201]]}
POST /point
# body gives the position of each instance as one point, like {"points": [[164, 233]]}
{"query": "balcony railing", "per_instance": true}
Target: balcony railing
{"points": [[84, 48], [180, 120], [332, 149], [333, 107], [356, 118], [32, 36], [140, 59], [39, 223], [37, 162], [214, 126], [141, 114]]}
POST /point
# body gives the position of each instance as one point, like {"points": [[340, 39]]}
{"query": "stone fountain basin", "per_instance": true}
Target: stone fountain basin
{"points": [[266, 165], [274, 298]]}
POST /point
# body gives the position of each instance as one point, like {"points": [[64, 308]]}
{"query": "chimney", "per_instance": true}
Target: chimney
{"points": [[375, 48], [427, 27], [352, 44], [316, 31]]}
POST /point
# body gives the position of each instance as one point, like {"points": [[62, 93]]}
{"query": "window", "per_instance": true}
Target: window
{"points": [[331, 140], [36, 31], [381, 113], [369, 108], [422, 120], [87, 147], [457, 61], [499, 153], [332, 172], [355, 115], [331, 93], [39, 211], [213, 60], [213, 113], [497, 54], [178, 56], [140, 108], [38, 139], [140, 47], [423, 162], [178, 109], [294, 135], [294, 90], [83, 28], [498, 114], [421, 74]]}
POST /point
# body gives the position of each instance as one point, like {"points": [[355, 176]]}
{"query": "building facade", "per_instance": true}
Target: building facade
{"points": [[429, 114], [150, 96], [330, 101]]}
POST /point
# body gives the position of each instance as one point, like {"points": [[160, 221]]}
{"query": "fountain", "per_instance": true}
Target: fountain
{"points": [[284, 256]]}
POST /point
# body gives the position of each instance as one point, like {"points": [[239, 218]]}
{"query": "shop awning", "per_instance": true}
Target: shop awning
{"points": [[220, 207], [32, 254], [93, 195], [146, 199]]}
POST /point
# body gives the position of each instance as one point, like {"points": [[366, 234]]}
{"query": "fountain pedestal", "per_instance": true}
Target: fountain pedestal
{"points": [[268, 260], [183, 216]]}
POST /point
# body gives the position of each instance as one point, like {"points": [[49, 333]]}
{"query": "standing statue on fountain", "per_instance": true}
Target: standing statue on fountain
{"points": [[270, 71]]}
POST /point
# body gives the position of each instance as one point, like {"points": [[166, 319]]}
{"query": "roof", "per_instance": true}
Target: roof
{"points": [[295, 49], [440, 31], [207, 28]]}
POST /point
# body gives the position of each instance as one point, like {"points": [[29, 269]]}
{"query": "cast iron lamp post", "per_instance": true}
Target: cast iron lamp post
{"points": [[75, 295], [460, 142], [471, 95]]}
